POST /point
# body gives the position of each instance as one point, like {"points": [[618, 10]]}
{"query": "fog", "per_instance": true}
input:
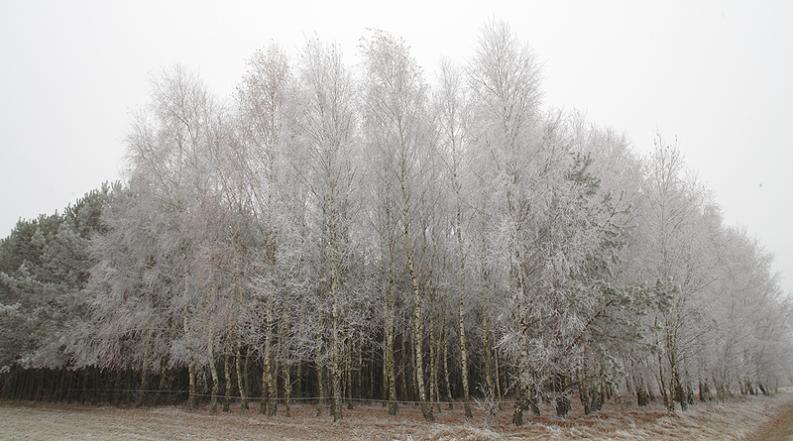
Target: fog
{"points": [[716, 75]]}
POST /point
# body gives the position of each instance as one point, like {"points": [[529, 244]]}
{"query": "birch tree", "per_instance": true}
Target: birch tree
{"points": [[328, 123], [396, 109]]}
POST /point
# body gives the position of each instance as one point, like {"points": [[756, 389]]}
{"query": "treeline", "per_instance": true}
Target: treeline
{"points": [[333, 235]]}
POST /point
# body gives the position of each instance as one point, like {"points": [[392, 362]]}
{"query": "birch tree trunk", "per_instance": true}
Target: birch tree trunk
{"points": [[245, 385], [240, 377], [486, 350], [446, 369], [239, 273], [284, 361], [360, 369], [265, 406], [144, 384], [192, 398], [213, 370], [434, 396], [405, 368], [463, 357], [287, 387], [335, 282], [227, 373], [418, 334], [388, 352], [418, 316], [498, 376], [461, 306], [335, 374], [299, 380], [348, 382]]}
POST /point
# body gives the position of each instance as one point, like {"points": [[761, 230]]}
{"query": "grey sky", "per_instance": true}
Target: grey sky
{"points": [[716, 74]]}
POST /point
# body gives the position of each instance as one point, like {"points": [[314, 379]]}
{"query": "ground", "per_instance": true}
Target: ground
{"points": [[755, 418], [778, 428]]}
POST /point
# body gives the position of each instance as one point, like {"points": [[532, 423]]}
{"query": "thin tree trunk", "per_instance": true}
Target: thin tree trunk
{"points": [[446, 369], [284, 361], [246, 362], [193, 397], [360, 369], [458, 226], [498, 377], [334, 254], [320, 390], [144, 384], [227, 373], [390, 378], [463, 356], [372, 366], [213, 370], [521, 405], [384, 374], [265, 406], [426, 406], [287, 386], [240, 376], [404, 359], [335, 367], [299, 380], [191, 374], [434, 395], [348, 383], [486, 350], [163, 380]]}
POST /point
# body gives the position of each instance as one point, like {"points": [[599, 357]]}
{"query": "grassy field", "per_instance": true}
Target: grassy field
{"points": [[761, 418]]}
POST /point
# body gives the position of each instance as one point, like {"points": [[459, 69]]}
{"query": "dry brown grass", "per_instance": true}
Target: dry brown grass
{"points": [[735, 420], [778, 428]]}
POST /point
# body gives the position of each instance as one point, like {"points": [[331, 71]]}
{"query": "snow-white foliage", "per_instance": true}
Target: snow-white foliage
{"points": [[325, 212]]}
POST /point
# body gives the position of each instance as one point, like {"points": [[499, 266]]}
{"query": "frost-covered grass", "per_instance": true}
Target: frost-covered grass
{"points": [[735, 420]]}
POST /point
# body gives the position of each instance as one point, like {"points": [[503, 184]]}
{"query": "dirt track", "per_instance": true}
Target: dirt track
{"points": [[780, 428], [758, 418]]}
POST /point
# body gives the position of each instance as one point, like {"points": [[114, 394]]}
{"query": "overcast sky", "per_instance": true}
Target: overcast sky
{"points": [[718, 75]]}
